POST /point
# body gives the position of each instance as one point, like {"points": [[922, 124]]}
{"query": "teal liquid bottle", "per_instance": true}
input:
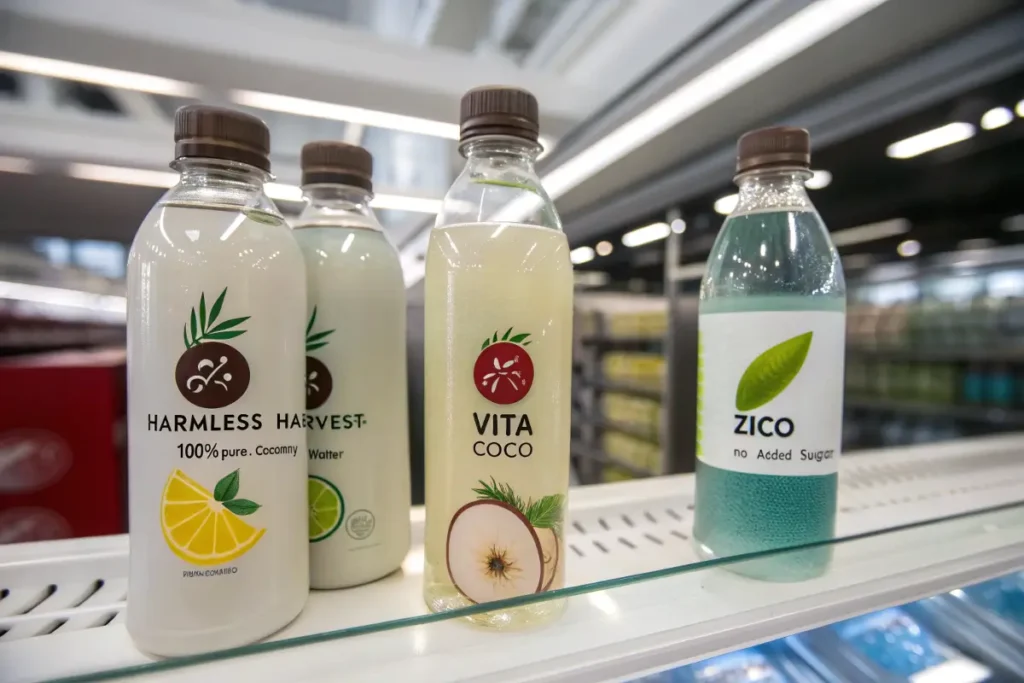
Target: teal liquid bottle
{"points": [[770, 379]]}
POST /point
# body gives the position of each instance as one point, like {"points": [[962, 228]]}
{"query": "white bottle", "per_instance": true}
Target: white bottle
{"points": [[356, 399], [216, 444]]}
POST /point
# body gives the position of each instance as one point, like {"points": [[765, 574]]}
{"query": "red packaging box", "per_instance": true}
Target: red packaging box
{"points": [[62, 445]]}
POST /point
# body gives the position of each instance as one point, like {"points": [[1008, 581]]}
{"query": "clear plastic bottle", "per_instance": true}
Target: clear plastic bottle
{"points": [[498, 338], [356, 398], [772, 335], [216, 447]]}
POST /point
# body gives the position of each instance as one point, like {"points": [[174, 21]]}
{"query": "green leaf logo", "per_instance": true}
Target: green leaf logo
{"points": [[203, 328], [508, 336], [317, 340], [771, 372]]}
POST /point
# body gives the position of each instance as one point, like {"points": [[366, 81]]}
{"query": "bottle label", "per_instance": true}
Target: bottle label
{"points": [[770, 391], [211, 500], [503, 543]]}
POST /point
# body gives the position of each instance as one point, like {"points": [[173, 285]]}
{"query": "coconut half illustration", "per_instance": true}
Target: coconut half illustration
{"points": [[549, 549], [493, 552]]}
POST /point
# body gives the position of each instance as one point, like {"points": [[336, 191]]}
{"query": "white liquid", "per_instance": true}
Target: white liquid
{"points": [[359, 439], [481, 280], [177, 606]]}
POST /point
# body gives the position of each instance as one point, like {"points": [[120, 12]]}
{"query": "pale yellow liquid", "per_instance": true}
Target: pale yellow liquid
{"points": [[481, 279]]}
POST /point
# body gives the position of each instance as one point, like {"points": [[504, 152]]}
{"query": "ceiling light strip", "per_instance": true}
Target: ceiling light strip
{"points": [[281, 192], [341, 112], [787, 39], [930, 140], [646, 234], [96, 75]]}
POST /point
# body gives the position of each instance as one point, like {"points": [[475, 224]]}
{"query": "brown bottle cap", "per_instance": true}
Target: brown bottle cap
{"points": [[336, 163], [775, 146], [217, 133], [499, 110]]}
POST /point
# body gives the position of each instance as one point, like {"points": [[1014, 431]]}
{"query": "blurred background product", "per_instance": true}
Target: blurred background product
{"points": [[935, 639]]}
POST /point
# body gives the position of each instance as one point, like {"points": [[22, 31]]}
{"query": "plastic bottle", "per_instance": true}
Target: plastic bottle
{"points": [[217, 466], [772, 331], [356, 399], [497, 357]]}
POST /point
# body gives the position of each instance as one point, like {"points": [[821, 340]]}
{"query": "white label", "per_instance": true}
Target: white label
{"points": [[770, 391]]}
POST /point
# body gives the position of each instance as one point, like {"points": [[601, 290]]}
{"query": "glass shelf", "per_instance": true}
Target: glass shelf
{"points": [[913, 522]]}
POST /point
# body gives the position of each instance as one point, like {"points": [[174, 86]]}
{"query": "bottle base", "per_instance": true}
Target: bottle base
{"points": [[786, 566], [185, 643], [442, 599]]}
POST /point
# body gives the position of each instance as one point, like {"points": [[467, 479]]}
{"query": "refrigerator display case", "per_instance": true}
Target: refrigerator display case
{"points": [[913, 522]]}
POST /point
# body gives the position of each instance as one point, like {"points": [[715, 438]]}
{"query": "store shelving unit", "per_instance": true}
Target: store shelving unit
{"points": [[999, 417], [62, 611]]}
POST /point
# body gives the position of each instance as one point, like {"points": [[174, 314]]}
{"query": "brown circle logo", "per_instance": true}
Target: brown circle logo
{"points": [[212, 375], [503, 372], [318, 383]]}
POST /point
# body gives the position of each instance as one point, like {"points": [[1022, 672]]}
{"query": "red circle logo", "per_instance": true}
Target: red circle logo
{"points": [[503, 373]]}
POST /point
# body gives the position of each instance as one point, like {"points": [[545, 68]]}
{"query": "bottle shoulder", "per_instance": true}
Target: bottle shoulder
{"points": [[348, 249], [786, 251], [191, 235]]}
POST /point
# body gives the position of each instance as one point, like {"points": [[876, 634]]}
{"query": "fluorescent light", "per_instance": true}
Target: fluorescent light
{"points": [[996, 118], [908, 248], [819, 180], [775, 46], [1013, 223], [648, 233], [276, 191], [725, 205], [604, 247], [1020, 109], [282, 192], [929, 140], [62, 297], [16, 165], [870, 232], [581, 255], [401, 203], [97, 75], [341, 112], [124, 176]]}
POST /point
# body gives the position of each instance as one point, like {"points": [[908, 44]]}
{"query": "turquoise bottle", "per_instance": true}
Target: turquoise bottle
{"points": [[770, 380]]}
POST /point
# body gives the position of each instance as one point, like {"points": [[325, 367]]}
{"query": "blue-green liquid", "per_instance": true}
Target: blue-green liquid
{"points": [[769, 261]]}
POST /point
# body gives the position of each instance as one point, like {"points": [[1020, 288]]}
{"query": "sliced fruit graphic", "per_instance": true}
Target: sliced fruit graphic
{"points": [[200, 530], [549, 548], [326, 508], [493, 552]]}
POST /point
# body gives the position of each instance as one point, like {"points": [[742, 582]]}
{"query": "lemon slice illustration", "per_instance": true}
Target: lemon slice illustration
{"points": [[200, 530], [326, 508]]}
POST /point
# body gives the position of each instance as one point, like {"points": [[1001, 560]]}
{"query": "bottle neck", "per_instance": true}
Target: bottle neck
{"points": [[504, 153], [217, 182], [215, 172], [499, 184], [773, 188], [332, 204]]}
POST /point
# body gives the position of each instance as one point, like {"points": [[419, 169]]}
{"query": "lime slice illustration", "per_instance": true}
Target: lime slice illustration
{"points": [[326, 508]]}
